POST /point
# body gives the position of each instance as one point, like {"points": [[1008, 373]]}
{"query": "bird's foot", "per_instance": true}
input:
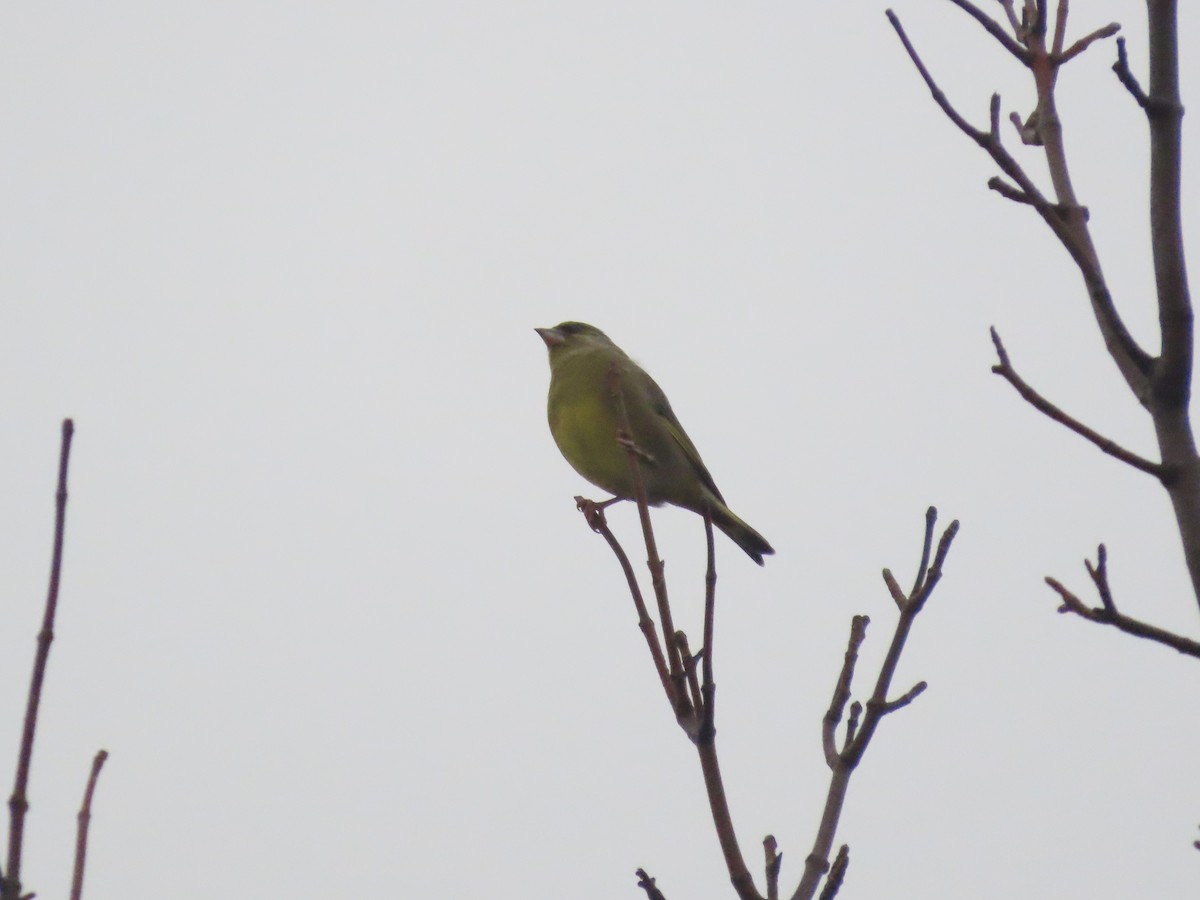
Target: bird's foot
{"points": [[593, 512]]}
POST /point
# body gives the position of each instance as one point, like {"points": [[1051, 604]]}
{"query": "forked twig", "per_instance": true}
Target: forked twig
{"points": [[859, 732], [646, 883], [1108, 614]]}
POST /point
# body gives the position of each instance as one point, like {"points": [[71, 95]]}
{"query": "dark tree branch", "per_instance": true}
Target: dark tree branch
{"points": [[1165, 116], [774, 859], [85, 818], [1005, 370], [594, 513], [837, 873], [646, 883], [858, 736], [1084, 42], [18, 803], [1126, 77], [841, 691], [1107, 613], [1065, 218], [1004, 189], [994, 29], [708, 728], [1060, 26], [625, 438], [695, 716]]}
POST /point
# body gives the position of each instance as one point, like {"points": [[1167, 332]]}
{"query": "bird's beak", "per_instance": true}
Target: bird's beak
{"points": [[552, 336]]}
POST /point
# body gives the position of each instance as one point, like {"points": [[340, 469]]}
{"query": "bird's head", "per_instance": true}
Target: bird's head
{"points": [[572, 336]]}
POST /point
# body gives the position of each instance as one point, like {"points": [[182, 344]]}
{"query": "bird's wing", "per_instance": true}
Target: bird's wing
{"points": [[662, 407]]}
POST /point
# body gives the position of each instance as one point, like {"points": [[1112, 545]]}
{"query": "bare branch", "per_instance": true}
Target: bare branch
{"points": [[993, 28], [859, 732], [1126, 77], [1066, 218], [708, 728], [841, 691], [18, 803], [1099, 573], [690, 723], [646, 883], [852, 722], [658, 577], [894, 588], [774, 859], [1005, 370], [1012, 17], [1004, 189], [1060, 26], [1083, 43], [904, 699], [837, 873], [594, 514], [1107, 613], [926, 546], [85, 818]]}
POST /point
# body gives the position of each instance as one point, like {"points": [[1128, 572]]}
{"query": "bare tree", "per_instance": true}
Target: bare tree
{"points": [[1161, 383], [687, 680]]}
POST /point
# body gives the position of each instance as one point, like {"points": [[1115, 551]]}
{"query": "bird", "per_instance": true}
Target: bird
{"points": [[583, 419]]}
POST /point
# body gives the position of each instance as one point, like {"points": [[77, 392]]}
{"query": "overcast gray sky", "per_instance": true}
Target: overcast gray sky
{"points": [[326, 598]]}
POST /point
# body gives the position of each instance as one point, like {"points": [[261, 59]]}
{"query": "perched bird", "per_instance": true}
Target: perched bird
{"points": [[583, 420]]}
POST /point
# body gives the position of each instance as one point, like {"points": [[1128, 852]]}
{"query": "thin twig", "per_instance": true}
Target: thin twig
{"points": [[893, 587], [646, 883], [926, 547], [1065, 218], [859, 732], [1127, 78], [594, 513], [81, 832], [774, 859], [1060, 26], [627, 438], [1005, 370], [689, 722], [841, 690], [906, 698], [837, 873], [1084, 42], [1012, 17], [1099, 573], [18, 804], [1108, 614], [1004, 189], [708, 725], [993, 28]]}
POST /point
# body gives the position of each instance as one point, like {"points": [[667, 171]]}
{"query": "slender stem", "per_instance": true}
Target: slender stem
{"points": [[85, 818], [595, 516], [18, 804], [739, 874]]}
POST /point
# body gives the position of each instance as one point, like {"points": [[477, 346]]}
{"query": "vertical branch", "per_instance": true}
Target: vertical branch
{"points": [[18, 803], [657, 575], [85, 818], [842, 763], [1165, 113], [710, 604]]}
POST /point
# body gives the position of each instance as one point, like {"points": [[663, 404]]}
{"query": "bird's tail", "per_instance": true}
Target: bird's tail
{"points": [[740, 533]]}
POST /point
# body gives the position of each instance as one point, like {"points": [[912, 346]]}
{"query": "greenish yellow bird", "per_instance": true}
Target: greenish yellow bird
{"points": [[583, 420]]}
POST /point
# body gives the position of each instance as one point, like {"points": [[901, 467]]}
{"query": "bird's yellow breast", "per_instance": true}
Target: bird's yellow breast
{"points": [[585, 430]]}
